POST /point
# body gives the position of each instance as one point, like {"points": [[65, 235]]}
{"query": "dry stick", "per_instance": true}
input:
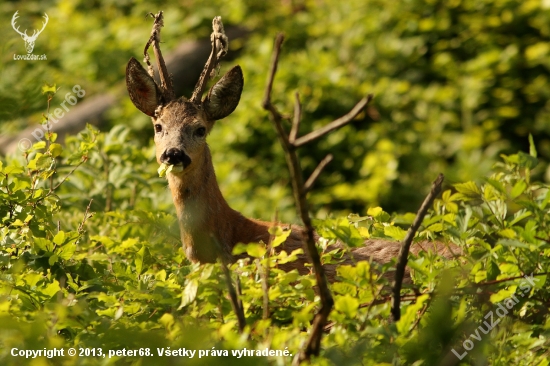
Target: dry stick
{"points": [[165, 79], [406, 244], [290, 144], [235, 303], [334, 124], [313, 177], [87, 215], [296, 120], [313, 343]]}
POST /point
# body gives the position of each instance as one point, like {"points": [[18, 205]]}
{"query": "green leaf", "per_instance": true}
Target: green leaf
{"points": [[280, 238], [503, 294], [59, 238], [67, 251], [468, 189], [164, 169], [39, 145], [55, 150], [512, 243], [395, 232], [527, 161], [49, 89], [43, 244], [408, 317], [52, 289], [532, 147], [40, 162], [255, 250], [518, 189], [347, 305], [143, 258], [53, 259], [189, 293]]}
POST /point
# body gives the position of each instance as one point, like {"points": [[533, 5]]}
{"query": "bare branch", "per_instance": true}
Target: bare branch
{"points": [[236, 304], [165, 80], [313, 344], [296, 120], [266, 103], [313, 177], [87, 215], [406, 244], [334, 124], [220, 45]]}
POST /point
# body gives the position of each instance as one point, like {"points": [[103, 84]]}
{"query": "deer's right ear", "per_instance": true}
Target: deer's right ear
{"points": [[142, 88], [224, 96]]}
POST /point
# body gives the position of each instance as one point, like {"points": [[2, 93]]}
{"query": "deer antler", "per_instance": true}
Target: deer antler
{"points": [[13, 19], [24, 34], [36, 33], [220, 44], [165, 80]]}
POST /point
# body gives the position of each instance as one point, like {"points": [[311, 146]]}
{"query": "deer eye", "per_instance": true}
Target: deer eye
{"points": [[158, 128], [200, 132]]}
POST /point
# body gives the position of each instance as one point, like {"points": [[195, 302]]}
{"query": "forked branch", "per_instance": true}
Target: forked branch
{"points": [[290, 143]]}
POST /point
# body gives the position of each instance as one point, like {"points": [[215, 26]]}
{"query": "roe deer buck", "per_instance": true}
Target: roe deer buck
{"points": [[209, 227]]}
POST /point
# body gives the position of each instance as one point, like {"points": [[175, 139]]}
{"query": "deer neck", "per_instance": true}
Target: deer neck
{"points": [[205, 218]]}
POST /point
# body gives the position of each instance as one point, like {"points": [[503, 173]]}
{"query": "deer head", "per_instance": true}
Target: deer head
{"points": [[180, 124], [29, 40]]}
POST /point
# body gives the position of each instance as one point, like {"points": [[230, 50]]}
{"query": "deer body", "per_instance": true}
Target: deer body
{"points": [[209, 228]]}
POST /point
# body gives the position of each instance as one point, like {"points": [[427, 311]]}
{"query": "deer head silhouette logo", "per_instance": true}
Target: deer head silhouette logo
{"points": [[29, 40]]}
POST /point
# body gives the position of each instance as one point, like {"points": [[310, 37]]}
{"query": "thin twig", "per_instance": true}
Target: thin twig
{"points": [[235, 303], [84, 159], [296, 120], [422, 312], [48, 132], [406, 244], [86, 216], [313, 177], [494, 282], [342, 121], [266, 103]]}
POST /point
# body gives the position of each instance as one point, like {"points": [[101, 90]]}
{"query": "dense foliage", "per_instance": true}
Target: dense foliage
{"points": [[124, 283], [455, 83], [90, 255]]}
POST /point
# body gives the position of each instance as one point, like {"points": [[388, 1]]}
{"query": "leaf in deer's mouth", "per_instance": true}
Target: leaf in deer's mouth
{"points": [[169, 168]]}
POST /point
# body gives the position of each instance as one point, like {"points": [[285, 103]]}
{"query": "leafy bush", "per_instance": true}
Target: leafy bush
{"points": [[110, 275], [90, 255]]}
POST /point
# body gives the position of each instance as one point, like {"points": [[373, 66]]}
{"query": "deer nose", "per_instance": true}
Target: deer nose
{"points": [[175, 156]]}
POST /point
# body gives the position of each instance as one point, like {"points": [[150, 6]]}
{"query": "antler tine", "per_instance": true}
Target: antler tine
{"points": [[220, 45], [165, 80], [44, 23], [13, 19]]}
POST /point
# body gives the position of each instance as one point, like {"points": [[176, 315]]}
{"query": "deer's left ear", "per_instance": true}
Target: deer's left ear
{"points": [[142, 88], [224, 96]]}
